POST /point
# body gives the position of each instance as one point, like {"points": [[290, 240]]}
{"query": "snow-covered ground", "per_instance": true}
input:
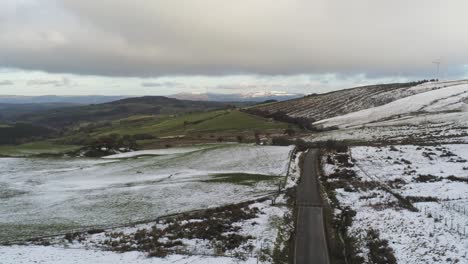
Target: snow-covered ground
{"points": [[432, 178], [263, 227], [48, 196], [60, 255]]}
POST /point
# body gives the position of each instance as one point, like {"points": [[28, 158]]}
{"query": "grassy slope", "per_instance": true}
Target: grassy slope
{"points": [[195, 123]]}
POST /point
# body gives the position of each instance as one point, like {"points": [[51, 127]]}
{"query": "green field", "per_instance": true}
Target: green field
{"points": [[35, 148], [189, 124]]}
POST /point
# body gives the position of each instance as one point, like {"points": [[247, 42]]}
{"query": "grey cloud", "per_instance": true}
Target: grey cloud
{"points": [[6, 82], [216, 37], [160, 84], [57, 83]]}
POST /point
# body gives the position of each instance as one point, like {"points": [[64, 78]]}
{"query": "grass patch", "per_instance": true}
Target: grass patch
{"points": [[36, 148], [241, 178], [235, 120]]}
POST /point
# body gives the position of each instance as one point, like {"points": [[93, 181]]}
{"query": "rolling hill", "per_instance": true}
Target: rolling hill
{"points": [[397, 113], [148, 105], [12, 112]]}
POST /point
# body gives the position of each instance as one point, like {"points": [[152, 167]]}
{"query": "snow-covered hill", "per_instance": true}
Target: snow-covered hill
{"points": [[317, 107], [431, 112], [451, 97]]}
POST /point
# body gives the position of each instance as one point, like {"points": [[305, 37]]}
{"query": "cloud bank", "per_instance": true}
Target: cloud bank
{"points": [[147, 38]]}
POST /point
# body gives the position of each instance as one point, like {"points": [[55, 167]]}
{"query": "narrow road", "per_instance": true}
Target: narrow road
{"points": [[310, 244]]}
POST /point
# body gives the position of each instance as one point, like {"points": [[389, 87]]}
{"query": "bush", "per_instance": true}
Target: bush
{"points": [[338, 146], [379, 251], [289, 131], [302, 145], [427, 178]]}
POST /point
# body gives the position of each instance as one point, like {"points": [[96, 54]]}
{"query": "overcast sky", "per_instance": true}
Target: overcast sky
{"points": [[136, 47]]}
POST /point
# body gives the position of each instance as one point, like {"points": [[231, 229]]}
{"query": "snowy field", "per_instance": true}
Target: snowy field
{"points": [[58, 255], [420, 202], [48, 196], [263, 228], [158, 152]]}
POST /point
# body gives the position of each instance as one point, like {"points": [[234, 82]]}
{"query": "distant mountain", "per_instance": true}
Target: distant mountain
{"points": [[86, 99], [240, 97]]}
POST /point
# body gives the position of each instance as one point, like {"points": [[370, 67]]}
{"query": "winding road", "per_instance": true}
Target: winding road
{"points": [[310, 243]]}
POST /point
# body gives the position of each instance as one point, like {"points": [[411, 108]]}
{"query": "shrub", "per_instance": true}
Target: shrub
{"points": [[427, 178], [338, 146], [289, 131], [379, 251], [302, 145]]}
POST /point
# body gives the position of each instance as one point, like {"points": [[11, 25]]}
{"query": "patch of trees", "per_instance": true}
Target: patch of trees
{"points": [[268, 102], [302, 145], [23, 132]]}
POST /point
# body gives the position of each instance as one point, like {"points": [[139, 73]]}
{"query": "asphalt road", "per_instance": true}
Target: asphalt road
{"points": [[310, 243]]}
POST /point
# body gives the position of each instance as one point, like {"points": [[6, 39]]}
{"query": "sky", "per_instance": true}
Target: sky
{"points": [[149, 47]]}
